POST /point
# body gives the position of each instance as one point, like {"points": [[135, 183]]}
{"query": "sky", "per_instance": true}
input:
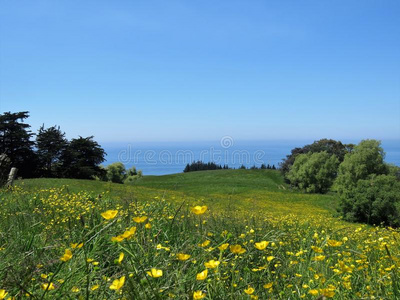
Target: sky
{"points": [[200, 70]]}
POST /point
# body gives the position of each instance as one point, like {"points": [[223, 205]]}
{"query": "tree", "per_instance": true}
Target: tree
{"points": [[374, 200], [15, 142], [328, 145], [50, 143], [314, 172], [116, 172], [365, 159], [81, 159]]}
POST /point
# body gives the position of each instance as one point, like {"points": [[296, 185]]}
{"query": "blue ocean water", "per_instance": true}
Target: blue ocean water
{"points": [[171, 157]]}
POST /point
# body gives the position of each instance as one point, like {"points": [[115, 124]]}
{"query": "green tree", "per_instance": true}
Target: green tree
{"points": [[50, 144], [374, 200], [314, 172], [116, 172], [15, 142], [365, 159], [82, 158]]}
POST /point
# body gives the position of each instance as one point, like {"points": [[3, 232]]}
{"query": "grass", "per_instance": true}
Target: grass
{"points": [[270, 242]]}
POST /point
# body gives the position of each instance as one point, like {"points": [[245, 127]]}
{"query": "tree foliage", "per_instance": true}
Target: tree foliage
{"points": [[314, 172], [15, 142], [374, 200], [81, 159], [116, 172], [50, 144]]}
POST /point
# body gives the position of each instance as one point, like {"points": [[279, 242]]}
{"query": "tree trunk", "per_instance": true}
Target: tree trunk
{"points": [[11, 176]]}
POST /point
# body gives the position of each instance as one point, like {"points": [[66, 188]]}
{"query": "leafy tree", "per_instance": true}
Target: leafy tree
{"points": [[116, 172], [81, 159], [15, 142], [314, 172], [328, 145], [50, 143], [365, 159], [374, 200], [132, 171]]}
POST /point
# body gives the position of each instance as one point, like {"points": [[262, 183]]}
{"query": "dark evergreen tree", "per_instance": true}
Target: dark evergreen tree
{"points": [[50, 144], [15, 142], [81, 159]]}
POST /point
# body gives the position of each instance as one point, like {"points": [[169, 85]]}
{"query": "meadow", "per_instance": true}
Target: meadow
{"points": [[225, 234]]}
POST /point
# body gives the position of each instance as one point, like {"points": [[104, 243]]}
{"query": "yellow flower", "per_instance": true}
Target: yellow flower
{"points": [[205, 243], [3, 294], [182, 256], [117, 284], [329, 293], [199, 210], [334, 243], [211, 264], [121, 257], [198, 295], [237, 249], [202, 275], [67, 255], [268, 285], [48, 286], [249, 290], [76, 245], [313, 292], [127, 234], [118, 238], [109, 214], [269, 258], [75, 289], [319, 258], [140, 219], [95, 287], [155, 273], [261, 245], [317, 249], [147, 226], [223, 247]]}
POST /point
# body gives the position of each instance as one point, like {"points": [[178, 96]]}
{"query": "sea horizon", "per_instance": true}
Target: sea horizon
{"points": [[164, 157]]}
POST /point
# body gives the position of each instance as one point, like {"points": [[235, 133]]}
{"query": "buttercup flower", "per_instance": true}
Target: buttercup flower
{"points": [[67, 255], [261, 245], [199, 210], [109, 214], [117, 284], [155, 273], [202, 275]]}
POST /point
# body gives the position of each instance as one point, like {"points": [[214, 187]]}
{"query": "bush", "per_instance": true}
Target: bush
{"points": [[366, 159], [116, 172], [374, 200], [314, 172]]}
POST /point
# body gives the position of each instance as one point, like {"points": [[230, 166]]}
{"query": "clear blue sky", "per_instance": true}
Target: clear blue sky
{"points": [[199, 70]]}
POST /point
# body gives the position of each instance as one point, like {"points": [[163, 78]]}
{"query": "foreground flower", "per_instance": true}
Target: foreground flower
{"points": [[319, 258], [202, 275], [182, 256], [249, 290], [198, 295], [268, 285], [67, 255], [199, 210], [269, 258], [334, 243], [95, 287], [261, 245], [223, 247], [211, 264], [109, 214], [155, 273], [140, 219], [237, 249], [117, 284], [121, 257], [313, 292], [48, 286], [3, 294]]}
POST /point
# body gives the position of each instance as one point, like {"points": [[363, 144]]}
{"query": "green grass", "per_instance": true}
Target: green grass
{"points": [[310, 253]]}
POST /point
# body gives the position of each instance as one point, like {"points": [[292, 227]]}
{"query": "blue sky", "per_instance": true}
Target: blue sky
{"points": [[200, 70]]}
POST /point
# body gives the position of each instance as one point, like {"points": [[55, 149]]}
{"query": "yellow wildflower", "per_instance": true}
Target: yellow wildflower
{"points": [[182, 256], [211, 264], [117, 284], [202, 275], [121, 257], [199, 210], [261, 245], [249, 290], [140, 219], [67, 255], [198, 295], [109, 214], [3, 294], [155, 273], [237, 249], [48, 286], [223, 247]]}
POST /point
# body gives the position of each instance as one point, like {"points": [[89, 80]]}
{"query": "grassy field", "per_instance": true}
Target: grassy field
{"points": [[251, 237]]}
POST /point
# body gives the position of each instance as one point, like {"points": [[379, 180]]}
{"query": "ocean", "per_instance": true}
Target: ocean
{"points": [[163, 158]]}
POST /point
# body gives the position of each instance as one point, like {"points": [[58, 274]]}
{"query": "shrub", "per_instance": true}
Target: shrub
{"points": [[314, 172], [116, 172], [374, 200]]}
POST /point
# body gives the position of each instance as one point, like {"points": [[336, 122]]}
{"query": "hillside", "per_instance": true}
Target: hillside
{"points": [[226, 234]]}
